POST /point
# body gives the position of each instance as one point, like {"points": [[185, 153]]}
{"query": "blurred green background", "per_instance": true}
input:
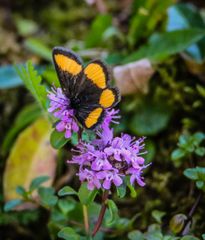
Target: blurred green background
{"points": [[156, 53]]}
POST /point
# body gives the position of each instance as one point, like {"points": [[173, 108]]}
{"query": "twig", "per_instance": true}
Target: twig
{"points": [[102, 213], [185, 230]]}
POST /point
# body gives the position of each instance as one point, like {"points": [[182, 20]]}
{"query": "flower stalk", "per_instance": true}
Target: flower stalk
{"points": [[102, 213], [86, 219]]}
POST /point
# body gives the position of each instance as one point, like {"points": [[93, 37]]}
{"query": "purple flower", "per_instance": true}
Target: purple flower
{"points": [[111, 116], [107, 160], [110, 177], [91, 178], [60, 107]]}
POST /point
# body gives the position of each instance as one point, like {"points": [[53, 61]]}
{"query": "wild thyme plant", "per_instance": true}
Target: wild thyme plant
{"points": [[104, 162]]}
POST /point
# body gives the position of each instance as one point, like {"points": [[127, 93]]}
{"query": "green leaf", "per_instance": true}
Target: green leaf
{"points": [[166, 44], [27, 115], [26, 27], [133, 192], [200, 184], [86, 196], [68, 233], [185, 16], [147, 14], [47, 196], [12, 204], [201, 173], [98, 27], [49, 74], [121, 190], [151, 151], [178, 154], [9, 78], [198, 137], [136, 235], [21, 191], [113, 210], [203, 236], [58, 139], [150, 118], [66, 205], [33, 82], [66, 191], [190, 237], [158, 215], [200, 151], [183, 140], [191, 173], [37, 182], [39, 48]]}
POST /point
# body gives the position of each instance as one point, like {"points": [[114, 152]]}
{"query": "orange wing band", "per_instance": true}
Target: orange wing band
{"points": [[93, 117], [96, 74], [107, 98], [67, 64]]}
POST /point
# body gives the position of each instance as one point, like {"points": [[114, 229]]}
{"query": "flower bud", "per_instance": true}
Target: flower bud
{"points": [[177, 222]]}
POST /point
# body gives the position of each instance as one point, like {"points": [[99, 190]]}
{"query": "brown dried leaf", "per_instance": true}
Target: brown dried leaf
{"points": [[133, 77]]}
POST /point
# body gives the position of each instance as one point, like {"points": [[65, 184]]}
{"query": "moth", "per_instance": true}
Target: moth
{"points": [[88, 88]]}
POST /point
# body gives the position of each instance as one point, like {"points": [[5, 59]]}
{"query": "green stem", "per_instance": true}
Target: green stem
{"points": [[85, 217]]}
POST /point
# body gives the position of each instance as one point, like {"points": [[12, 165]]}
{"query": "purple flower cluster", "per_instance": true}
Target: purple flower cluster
{"points": [[108, 159], [60, 107]]}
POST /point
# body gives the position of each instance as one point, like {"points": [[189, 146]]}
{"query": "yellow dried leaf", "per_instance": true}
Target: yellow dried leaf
{"points": [[31, 156]]}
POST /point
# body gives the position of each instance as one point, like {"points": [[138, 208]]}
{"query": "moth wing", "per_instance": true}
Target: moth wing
{"points": [[91, 116], [69, 68], [97, 72]]}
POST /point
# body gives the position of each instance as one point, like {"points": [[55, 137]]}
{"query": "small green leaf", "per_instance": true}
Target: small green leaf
{"points": [[200, 184], [47, 196], [198, 137], [86, 196], [203, 236], [68, 233], [26, 27], [135, 235], [178, 154], [37, 182], [189, 237], [58, 139], [98, 27], [158, 215], [133, 192], [21, 191], [33, 82], [191, 173], [66, 205], [113, 210], [66, 191], [12, 204], [200, 151], [183, 140], [39, 48], [121, 190]]}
